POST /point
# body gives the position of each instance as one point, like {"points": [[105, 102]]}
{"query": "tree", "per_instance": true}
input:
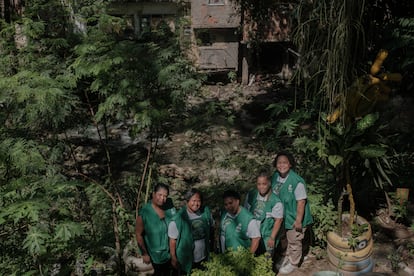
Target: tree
{"points": [[36, 99], [56, 81]]}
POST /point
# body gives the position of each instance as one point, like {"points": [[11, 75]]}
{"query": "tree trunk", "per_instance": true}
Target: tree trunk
{"points": [[5, 10]]}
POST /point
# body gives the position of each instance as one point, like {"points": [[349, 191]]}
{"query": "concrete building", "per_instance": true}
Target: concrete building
{"points": [[220, 33], [215, 25]]}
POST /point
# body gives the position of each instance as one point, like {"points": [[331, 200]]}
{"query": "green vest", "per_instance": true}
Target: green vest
{"points": [[286, 193], [234, 229], [259, 210], [156, 232], [185, 240]]}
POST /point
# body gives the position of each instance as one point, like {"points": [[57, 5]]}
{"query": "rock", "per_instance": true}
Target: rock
{"points": [[174, 171], [136, 264]]}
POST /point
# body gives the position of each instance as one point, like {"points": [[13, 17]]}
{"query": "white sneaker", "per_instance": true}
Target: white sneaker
{"points": [[281, 263], [288, 268]]}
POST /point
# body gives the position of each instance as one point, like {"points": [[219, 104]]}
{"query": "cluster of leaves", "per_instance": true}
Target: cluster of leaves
{"points": [[399, 207], [324, 216], [329, 36], [237, 262], [283, 120], [356, 231], [129, 86], [362, 143], [395, 260]]}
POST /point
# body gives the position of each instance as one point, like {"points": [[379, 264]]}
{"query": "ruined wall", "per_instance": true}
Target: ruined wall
{"points": [[214, 14]]}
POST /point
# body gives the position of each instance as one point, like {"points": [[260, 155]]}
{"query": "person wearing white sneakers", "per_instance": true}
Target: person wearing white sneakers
{"points": [[291, 189]]}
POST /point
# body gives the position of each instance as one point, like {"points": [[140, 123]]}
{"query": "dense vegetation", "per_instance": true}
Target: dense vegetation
{"points": [[73, 75], [70, 76]]}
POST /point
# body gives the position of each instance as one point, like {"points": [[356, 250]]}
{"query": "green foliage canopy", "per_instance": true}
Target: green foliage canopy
{"points": [[65, 66]]}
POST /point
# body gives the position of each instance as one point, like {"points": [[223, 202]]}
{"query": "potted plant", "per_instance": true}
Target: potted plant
{"points": [[350, 247], [354, 143]]}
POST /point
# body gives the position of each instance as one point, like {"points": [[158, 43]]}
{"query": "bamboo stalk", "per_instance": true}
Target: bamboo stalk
{"points": [[339, 225], [350, 196], [149, 149]]}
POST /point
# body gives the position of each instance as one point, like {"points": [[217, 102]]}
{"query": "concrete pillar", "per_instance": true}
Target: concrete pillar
{"points": [[245, 64]]}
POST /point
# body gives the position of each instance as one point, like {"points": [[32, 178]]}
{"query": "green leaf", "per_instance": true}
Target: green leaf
{"points": [[305, 144], [287, 125], [355, 147], [68, 230], [372, 151], [23, 155], [2, 220], [335, 160], [278, 108], [88, 264], [35, 241], [366, 122], [30, 273], [24, 210]]}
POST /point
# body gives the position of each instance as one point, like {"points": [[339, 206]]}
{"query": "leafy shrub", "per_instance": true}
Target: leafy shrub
{"points": [[399, 207], [234, 263], [324, 218]]}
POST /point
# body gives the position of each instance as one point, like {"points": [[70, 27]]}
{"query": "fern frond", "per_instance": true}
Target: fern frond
{"points": [[22, 155], [287, 126], [35, 241]]}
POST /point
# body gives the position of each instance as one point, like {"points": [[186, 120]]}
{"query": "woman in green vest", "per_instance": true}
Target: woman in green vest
{"points": [[152, 228], [268, 210], [189, 234], [238, 227], [291, 189]]}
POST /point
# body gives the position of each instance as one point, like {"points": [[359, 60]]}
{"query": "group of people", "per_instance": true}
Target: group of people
{"points": [[175, 242]]}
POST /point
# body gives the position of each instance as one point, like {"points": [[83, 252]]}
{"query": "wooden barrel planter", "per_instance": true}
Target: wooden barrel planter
{"points": [[351, 261]]}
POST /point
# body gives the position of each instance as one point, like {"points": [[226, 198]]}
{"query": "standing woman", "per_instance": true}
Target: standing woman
{"points": [[268, 210], [190, 234], [152, 228], [291, 189]]}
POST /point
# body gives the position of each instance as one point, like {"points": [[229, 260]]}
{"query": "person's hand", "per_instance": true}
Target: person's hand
{"points": [[271, 243], [174, 262], [297, 226], [146, 258]]}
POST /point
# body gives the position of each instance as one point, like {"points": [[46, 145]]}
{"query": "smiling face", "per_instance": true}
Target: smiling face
{"points": [[194, 203], [231, 205], [263, 185], [159, 197], [283, 165]]}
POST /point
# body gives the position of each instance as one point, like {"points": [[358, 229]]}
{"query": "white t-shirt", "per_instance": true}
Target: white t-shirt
{"points": [[197, 229], [253, 231], [300, 191], [277, 210]]}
